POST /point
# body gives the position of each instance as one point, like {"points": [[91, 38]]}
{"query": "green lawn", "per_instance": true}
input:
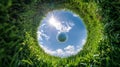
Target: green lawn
{"points": [[19, 20]]}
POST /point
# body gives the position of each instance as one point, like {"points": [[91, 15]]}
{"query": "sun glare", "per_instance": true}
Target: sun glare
{"points": [[54, 22]]}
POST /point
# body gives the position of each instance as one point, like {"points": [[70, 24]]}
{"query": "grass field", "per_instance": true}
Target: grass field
{"points": [[19, 20]]}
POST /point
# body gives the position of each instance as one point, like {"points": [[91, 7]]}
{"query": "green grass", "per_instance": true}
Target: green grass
{"points": [[19, 21]]}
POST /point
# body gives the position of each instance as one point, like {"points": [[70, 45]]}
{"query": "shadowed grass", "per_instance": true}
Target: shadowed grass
{"points": [[19, 21]]}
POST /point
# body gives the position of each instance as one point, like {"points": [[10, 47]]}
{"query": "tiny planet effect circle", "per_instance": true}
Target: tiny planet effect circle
{"points": [[61, 33]]}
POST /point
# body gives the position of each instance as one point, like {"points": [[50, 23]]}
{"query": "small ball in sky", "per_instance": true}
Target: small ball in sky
{"points": [[62, 37]]}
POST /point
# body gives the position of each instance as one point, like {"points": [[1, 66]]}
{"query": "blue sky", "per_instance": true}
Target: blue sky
{"points": [[59, 21]]}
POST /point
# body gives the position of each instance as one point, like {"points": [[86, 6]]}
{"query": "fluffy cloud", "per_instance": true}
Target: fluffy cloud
{"points": [[83, 41], [67, 51], [75, 15], [70, 49], [48, 50], [59, 52], [41, 34], [59, 26]]}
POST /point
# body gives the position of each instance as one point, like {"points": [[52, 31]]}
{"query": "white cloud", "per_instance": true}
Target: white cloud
{"points": [[70, 50], [41, 34], [75, 15], [83, 41], [48, 50], [67, 51], [79, 47], [59, 52], [59, 26]]}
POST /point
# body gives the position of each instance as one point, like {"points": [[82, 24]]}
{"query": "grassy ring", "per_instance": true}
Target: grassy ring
{"points": [[88, 11]]}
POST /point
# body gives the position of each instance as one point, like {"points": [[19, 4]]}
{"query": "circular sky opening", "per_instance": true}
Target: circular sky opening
{"points": [[61, 33]]}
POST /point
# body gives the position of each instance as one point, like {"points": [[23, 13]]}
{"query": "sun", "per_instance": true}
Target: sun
{"points": [[53, 22]]}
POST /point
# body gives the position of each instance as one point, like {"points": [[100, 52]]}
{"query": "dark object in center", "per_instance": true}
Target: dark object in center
{"points": [[62, 37]]}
